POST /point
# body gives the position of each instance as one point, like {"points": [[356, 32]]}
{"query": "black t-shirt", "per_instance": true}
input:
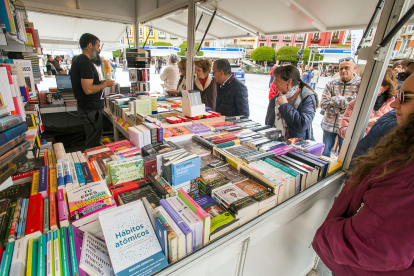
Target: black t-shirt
{"points": [[83, 68]]}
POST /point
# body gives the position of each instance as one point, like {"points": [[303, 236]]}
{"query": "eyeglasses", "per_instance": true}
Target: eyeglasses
{"points": [[402, 76], [346, 59], [403, 96]]}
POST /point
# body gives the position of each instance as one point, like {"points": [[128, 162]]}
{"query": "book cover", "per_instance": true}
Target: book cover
{"points": [[53, 181], [13, 133], [63, 210], [53, 217], [7, 225], [75, 243], [67, 174], [181, 224], [210, 175], [13, 153], [46, 216], [228, 194], [87, 201], [93, 171], [6, 260], [50, 261], [12, 143], [79, 174], [43, 185], [19, 259], [86, 173], [15, 220], [60, 175], [193, 147], [250, 187], [128, 232], [22, 217], [94, 258], [124, 172], [102, 152], [57, 253], [120, 145], [178, 131], [231, 174], [198, 128], [116, 190], [32, 258], [183, 171]]}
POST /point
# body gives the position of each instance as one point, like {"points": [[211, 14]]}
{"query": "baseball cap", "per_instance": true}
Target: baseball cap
{"points": [[406, 62]]}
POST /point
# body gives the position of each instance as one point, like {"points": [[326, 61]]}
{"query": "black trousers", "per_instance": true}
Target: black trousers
{"points": [[92, 121]]}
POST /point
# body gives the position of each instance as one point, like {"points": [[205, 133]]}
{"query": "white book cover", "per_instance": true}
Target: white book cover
{"points": [[49, 254], [189, 220], [94, 258], [180, 235], [75, 157], [18, 263], [26, 67], [199, 223], [72, 171], [132, 243], [56, 254]]}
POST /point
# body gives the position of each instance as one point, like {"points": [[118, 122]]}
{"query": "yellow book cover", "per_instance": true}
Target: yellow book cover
{"points": [[126, 127], [49, 157], [53, 181], [33, 119], [29, 258], [35, 184]]}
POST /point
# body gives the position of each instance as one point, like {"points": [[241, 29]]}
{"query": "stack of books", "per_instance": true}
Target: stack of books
{"points": [[138, 58]]}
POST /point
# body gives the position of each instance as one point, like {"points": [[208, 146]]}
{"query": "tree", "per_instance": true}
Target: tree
{"points": [[315, 55], [288, 53], [183, 47], [263, 53], [116, 53], [161, 44]]}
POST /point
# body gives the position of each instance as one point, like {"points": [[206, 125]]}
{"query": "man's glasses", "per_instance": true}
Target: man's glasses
{"points": [[346, 59], [402, 96]]}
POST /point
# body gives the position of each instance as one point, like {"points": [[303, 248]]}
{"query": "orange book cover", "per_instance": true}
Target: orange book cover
{"points": [[94, 172], [53, 212], [178, 131]]}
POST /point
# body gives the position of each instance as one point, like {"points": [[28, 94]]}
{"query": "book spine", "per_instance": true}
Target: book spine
{"points": [[46, 216], [49, 249], [22, 211], [9, 222], [43, 181], [15, 220], [19, 260], [79, 174], [94, 172], [13, 133], [6, 260], [53, 181], [86, 173], [60, 175], [74, 176], [63, 210], [41, 256], [64, 252], [23, 175], [53, 211], [73, 259], [68, 176], [34, 221], [24, 220], [32, 251], [11, 144], [56, 253]]}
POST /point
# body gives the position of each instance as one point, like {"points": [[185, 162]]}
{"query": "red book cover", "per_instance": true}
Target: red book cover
{"points": [[94, 172], [53, 211], [23, 175], [34, 220], [1, 252], [95, 148], [126, 187], [150, 166], [102, 152], [120, 145]]}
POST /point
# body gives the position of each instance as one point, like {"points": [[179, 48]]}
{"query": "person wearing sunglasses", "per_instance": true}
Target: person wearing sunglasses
{"points": [[369, 229], [337, 95], [385, 97]]}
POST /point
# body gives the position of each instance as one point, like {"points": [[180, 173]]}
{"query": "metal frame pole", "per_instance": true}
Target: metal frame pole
{"points": [[205, 33], [190, 53], [371, 81]]}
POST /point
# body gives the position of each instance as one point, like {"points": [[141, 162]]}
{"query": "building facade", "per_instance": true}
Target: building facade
{"points": [[405, 43], [278, 41], [154, 36]]}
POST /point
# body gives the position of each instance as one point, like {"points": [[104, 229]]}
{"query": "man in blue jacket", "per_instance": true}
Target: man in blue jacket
{"points": [[307, 75], [232, 96]]}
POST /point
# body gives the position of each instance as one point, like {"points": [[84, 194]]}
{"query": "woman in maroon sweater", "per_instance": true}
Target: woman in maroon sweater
{"points": [[205, 82], [370, 227]]}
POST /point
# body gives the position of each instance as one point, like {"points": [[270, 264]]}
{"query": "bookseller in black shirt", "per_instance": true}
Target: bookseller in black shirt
{"points": [[87, 88]]}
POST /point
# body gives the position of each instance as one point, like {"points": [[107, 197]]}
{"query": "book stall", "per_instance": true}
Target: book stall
{"points": [[180, 190]]}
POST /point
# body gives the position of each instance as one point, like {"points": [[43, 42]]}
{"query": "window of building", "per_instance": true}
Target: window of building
{"points": [[316, 35], [404, 46], [274, 46], [275, 37], [349, 37], [151, 34], [150, 41], [131, 40], [262, 37], [300, 37], [161, 35], [314, 45], [287, 37], [130, 31], [299, 45], [335, 35], [206, 44], [410, 28], [173, 37], [141, 40], [141, 32], [261, 44], [286, 44], [121, 41]]}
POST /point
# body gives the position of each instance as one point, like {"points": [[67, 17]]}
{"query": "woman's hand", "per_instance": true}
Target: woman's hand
{"points": [[173, 92], [282, 99], [372, 121]]}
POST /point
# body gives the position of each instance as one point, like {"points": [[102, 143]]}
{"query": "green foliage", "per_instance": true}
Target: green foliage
{"points": [[116, 53], [315, 55], [161, 44], [263, 53], [183, 47], [288, 53]]}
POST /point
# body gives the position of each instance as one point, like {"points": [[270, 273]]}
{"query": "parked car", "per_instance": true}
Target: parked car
{"points": [[238, 72]]}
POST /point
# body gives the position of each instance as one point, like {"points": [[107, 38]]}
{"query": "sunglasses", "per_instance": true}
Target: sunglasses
{"points": [[403, 96], [346, 59], [402, 76]]}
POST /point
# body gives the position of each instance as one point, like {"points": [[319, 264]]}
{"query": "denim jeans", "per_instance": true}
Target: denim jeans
{"points": [[329, 141], [313, 85]]}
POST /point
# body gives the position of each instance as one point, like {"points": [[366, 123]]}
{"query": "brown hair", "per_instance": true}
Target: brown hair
{"points": [[397, 63], [291, 72], [394, 152], [183, 63], [391, 81], [204, 63], [106, 68]]}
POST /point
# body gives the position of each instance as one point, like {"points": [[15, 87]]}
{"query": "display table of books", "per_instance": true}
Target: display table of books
{"points": [[214, 198]]}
